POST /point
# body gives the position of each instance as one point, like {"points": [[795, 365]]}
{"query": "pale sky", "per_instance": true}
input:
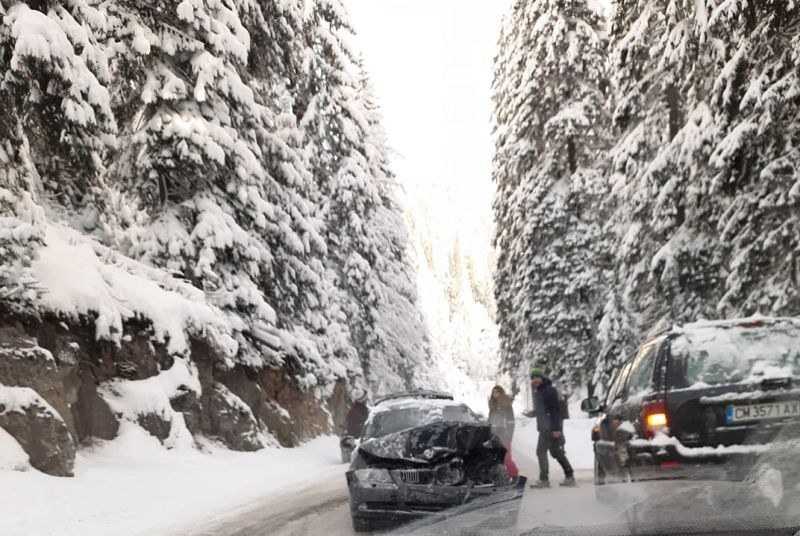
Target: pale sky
{"points": [[431, 65]]}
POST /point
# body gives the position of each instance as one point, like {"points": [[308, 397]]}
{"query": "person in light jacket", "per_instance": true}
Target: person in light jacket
{"points": [[501, 420]]}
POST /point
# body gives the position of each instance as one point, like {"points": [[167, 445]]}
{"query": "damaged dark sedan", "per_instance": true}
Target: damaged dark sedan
{"points": [[421, 454]]}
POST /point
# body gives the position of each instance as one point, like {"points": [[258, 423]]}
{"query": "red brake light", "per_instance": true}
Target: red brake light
{"points": [[654, 417]]}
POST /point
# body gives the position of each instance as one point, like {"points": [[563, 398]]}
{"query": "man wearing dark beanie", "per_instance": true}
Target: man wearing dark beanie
{"points": [[549, 423]]}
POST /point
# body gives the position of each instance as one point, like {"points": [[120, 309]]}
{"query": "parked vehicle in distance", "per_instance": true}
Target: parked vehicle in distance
{"points": [[421, 454], [704, 400]]}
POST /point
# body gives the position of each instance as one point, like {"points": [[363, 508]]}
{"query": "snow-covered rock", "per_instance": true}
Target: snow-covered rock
{"points": [[23, 363], [233, 421], [38, 428]]}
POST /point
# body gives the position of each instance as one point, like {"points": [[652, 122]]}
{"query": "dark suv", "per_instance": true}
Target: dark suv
{"points": [[704, 400]]}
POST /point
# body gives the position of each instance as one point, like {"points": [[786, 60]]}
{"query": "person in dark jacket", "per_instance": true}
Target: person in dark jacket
{"points": [[501, 420], [547, 410], [358, 413]]}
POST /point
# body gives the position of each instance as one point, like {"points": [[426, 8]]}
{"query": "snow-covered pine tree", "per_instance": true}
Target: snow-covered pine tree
{"points": [[55, 77], [279, 45], [353, 197], [514, 152], [551, 276], [56, 125], [669, 261], [398, 342], [193, 159], [21, 228], [296, 280], [754, 168]]}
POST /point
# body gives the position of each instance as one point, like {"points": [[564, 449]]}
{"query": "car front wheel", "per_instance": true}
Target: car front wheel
{"points": [[603, 493], [599, 473]]}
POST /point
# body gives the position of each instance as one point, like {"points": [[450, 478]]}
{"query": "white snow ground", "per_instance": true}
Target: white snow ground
{"points": [[133, 486], [12, 457]]}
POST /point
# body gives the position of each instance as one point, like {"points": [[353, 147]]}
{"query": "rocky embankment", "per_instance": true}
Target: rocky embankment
{"points": [[61, 388]]}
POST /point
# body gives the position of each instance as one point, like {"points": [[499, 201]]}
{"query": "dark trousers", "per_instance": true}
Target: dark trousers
{"points": [[547, 443]]}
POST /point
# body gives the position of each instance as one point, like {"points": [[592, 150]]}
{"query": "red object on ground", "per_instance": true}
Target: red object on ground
{"points": [[513, 470]]}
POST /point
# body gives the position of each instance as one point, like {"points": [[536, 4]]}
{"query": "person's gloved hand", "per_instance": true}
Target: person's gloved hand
{"points": [[556, 435]]}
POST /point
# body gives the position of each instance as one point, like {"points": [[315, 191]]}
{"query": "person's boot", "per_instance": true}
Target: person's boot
{"points": [[569, 482], [542, 483]]}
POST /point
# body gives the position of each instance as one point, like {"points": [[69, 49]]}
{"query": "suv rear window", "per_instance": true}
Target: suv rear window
{"points": [[713, 355]]}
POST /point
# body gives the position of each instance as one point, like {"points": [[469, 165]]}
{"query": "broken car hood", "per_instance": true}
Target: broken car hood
{"points": [[433, 443]]}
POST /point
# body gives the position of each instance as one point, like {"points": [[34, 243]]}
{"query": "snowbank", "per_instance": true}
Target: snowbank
{"points": [[12, 457], [132, 485], [80, 277]]}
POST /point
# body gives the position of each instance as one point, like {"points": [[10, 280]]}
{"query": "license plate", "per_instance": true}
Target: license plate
{"points": [[758, 412]]}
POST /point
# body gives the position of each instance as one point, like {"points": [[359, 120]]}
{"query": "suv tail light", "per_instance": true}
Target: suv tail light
{"points": [[654, 417]]}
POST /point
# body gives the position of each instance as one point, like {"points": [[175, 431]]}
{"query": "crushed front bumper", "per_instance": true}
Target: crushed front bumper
{"points": [[386, 504]]}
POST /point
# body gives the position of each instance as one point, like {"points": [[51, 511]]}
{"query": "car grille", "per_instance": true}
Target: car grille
{"points": [[415, 476], [446, 476]]}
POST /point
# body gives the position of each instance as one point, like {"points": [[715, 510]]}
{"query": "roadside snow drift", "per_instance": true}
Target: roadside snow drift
{"points": [[80, 277], [132, 485]]}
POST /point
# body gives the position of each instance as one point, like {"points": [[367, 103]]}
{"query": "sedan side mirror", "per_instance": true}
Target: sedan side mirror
{"points": [[592, 405]]}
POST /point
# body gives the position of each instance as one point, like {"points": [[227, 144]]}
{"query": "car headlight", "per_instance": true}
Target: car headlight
{"points": [[373, 475]]}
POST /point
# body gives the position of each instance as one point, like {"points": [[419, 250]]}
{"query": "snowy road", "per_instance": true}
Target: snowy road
{"points": [[322, 508], [319, 508]]}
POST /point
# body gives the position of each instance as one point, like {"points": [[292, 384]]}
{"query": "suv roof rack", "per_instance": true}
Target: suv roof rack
{"points": [[419, 393]]}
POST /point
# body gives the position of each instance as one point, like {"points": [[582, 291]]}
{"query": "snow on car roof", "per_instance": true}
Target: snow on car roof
{"points": [[418, 394], [753, 321], [402, 403], [739, 351]]}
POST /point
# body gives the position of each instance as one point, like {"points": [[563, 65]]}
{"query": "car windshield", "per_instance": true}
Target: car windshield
{"points": [[395, 420], [735, 354]]}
